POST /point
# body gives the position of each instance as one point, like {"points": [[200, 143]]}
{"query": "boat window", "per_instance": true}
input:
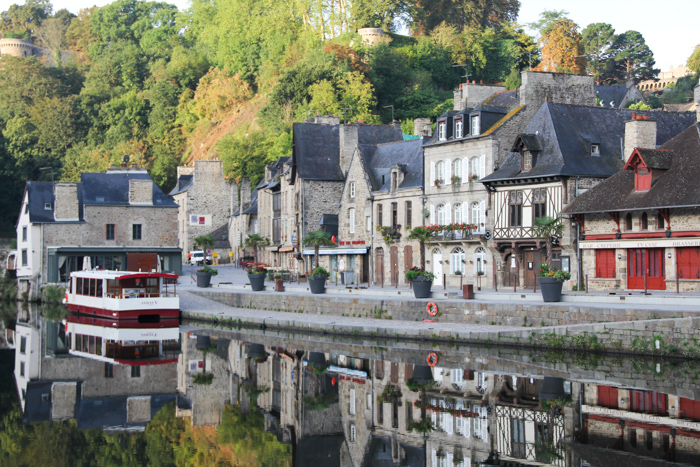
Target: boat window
{"points": [[99, 288], [86, 286], [79, 285], [93, 284], [98, 346]]}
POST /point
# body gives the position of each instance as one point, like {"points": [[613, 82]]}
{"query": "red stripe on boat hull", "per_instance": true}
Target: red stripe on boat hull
{"points": [[124, 314]]}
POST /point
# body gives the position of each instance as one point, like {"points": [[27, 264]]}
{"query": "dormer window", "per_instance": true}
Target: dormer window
{"points": [[458, 129], [47, 206], [476, 125], [442, 134], [595, 149], [527, 161], [642, 178]]}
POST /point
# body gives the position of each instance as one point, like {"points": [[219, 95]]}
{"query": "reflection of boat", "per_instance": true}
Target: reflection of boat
{"points": [[147, 296], [123, 342]]}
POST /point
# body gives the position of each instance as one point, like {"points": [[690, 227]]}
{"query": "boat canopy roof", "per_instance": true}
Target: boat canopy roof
{"points": [[117, 275]]}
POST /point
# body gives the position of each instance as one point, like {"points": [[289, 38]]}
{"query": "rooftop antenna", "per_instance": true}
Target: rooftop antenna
{"points": [[347, 110], [392, 111], [48, 168], [466, 74]]}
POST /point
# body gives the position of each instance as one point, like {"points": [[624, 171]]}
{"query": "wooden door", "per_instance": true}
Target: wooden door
{"points": [[531, 265], [512, 272], [365, 268], [394, 265], [407, 259], [379, 277], [649, 261]]}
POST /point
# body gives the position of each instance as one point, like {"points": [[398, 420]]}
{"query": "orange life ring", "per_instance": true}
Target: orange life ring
{"points": [[432, 359], [432, 309]]}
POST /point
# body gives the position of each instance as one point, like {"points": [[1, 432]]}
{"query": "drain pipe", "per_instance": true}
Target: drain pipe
{"points": [[578, 245]]}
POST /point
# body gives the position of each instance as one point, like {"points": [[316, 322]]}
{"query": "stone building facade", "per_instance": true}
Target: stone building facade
{"points": [[205, 199], [106, 217]]}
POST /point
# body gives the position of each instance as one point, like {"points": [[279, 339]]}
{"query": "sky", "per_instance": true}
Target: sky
{"points": [[668, 28]]}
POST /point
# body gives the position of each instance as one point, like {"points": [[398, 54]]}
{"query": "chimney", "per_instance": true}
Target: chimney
{"points": [[349, 140], [66, 205], [245, 193], [184, 170], [234, 198], [422, 127], [640, 132], [396, 124], [140, 191]]}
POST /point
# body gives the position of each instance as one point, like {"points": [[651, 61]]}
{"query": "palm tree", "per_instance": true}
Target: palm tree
{"points": [[547, 227], [204, 242], [423, 235], [317, 239], [254, 241]]}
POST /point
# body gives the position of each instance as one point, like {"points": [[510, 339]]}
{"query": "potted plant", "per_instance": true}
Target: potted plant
{"points": [[317, 277], [256, 273], [421, 280], [456, 182], [204, 276], [550, 280], [279, 283]]}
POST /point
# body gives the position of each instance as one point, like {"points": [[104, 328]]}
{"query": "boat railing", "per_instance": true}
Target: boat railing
{"points": [[126, 295]]}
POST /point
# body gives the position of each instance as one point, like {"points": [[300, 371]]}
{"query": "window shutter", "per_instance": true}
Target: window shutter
{"points": [[448, 213], [465, 212], [482, 212], [432, 173], [482, 161], [432, 214], [605, 263], [448, 171], [465, 170]]}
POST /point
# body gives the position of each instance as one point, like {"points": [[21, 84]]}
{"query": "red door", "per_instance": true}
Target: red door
{"points": [[649, 261]]}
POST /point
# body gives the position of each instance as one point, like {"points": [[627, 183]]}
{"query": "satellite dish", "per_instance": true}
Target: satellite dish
{"points": [[126, 159]]}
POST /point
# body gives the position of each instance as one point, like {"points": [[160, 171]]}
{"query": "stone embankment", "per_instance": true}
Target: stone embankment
{"points": [[600, 327]]}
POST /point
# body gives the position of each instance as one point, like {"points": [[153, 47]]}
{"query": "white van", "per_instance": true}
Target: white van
{"points": [[197, 258]]}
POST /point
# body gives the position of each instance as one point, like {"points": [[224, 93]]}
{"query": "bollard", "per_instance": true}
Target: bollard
{"points": [[514, 283], [586, 283], [646, 271], [677, 284]]}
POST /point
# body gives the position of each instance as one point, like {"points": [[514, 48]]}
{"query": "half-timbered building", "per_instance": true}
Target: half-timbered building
{"points": [[564, 151]]}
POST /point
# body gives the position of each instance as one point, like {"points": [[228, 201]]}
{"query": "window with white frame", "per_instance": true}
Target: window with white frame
{"points": [[476, 214], [25, 260], [24, 234], [440, 175], [476, 125], [457, 261], [441, 131], [458, 129], [351, 216], [368, 220], [480, 261], [457, 214], [352, 189], [457, 170], [475, 168], [351, 406], [441, 214]]}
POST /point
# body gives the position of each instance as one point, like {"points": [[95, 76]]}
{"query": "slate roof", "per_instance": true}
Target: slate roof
{"points": [[110, 412], [253, 208], [609, 94], [508, 99], [182, 184], [316, 152], [379, 160], [37, 401], [656, 158], [379, 454], [114, 188], [676, 187], [40, 193], [317, 451], [220, 237], [566, 133]]}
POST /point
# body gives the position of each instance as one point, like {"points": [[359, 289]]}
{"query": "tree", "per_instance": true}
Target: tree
{"points": [[547, 20], [255, 241], [423, 235], [51, 35], [21, 21], [562, 48], [598, 39], [317, 239], [426, 15], [693, 63], [547, 228], [204, 242], [384, 14], [634, 60]]}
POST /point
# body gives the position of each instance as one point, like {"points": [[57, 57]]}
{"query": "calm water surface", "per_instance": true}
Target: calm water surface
{"points": [[77, 391]]}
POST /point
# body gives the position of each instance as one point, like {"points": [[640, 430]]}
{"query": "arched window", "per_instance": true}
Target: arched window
{"points": [[475, 168], [457, 215], [440, 175], [660, 222], [441, 214], [457, 171], [457, 261], [476, 214], [628, 222], [645, 221]]}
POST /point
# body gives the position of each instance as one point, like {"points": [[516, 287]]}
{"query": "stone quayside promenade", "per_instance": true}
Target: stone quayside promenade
{"points": [[654, 325]]}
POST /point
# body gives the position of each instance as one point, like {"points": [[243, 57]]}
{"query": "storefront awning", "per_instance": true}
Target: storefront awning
{"points": [[272, 248], [285, 249], [338, 251]]}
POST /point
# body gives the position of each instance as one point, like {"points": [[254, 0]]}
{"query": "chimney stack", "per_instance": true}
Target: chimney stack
{"points": [[422, 127], [245, 193], [640, 132], [349, 140], [66, 206], [140, 191]]}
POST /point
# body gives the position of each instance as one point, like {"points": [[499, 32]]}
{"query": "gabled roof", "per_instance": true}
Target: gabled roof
{"points": [[220, 237], [609, 94], [253, 208], [653, 158], [182, 184], [112, 188], [316, 152], [378, 161], [676, 187], [566, 133], [42, 193], [508, 99], [529, 141]]}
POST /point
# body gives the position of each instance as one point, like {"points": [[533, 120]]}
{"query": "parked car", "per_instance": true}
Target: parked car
{"points": [[197, 258]]}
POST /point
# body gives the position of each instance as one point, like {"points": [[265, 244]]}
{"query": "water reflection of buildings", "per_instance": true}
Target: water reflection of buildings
{"points": [[57, 379], [341, 407]]}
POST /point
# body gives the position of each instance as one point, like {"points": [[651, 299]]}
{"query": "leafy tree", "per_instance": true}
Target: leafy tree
{"points": [[462, 14], [317, 239], [246, 154], [598, 39], [693, 63], [562, 48], [547, 20], [634, 60], [384, 14], [51, 35], [163, 435], [21, 21]]}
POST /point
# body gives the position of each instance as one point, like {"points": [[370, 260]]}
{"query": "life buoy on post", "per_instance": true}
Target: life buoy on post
{"points": [[432, 359], [432, 309]]}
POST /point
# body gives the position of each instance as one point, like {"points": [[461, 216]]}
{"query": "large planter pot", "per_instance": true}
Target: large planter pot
{"points": [[317, 283], [551, 288], [257, 281], [203, 279], [422, 374], [421, 287]]}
